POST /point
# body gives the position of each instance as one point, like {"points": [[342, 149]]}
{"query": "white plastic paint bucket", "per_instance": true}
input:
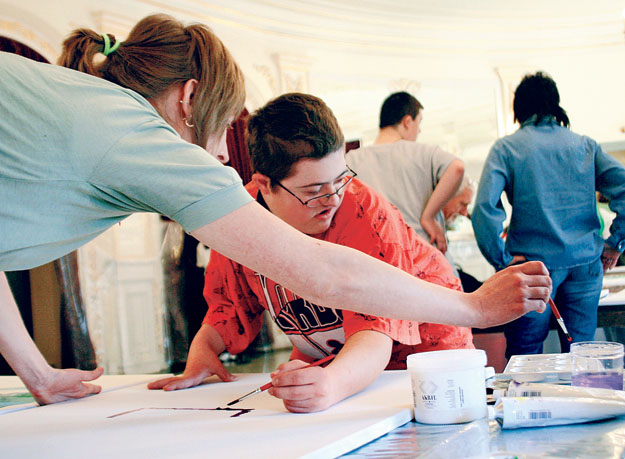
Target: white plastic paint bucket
{"points": [[448, 386]]}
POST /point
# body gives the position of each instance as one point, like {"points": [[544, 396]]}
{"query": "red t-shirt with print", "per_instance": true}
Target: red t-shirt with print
{"points": [[238, 296]]}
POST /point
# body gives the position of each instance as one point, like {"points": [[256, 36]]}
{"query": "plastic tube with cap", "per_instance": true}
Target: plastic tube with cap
{"points": [[523, 389], [517, 412]]}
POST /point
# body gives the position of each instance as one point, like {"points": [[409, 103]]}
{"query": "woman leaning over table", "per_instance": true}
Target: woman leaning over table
{"points": [[80, 151]]}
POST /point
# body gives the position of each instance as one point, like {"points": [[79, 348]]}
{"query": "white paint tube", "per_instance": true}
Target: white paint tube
{"points": [[524, 389], [517, 412]]}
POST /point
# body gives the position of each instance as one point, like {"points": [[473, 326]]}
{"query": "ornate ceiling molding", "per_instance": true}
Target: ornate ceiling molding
{"points": [[419, 27]]}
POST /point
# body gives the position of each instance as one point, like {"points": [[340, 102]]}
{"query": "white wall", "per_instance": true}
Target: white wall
{"points": [[353, 54]]}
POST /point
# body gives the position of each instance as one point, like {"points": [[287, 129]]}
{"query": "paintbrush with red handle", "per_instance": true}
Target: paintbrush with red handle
{"points": [[268, 385], [556, 313]]}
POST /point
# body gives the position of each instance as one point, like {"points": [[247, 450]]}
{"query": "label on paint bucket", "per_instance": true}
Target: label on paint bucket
{"points": [[448, 395]]}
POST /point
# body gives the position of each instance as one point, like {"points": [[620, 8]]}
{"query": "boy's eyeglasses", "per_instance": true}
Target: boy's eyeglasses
{"points": [[316, 201]]}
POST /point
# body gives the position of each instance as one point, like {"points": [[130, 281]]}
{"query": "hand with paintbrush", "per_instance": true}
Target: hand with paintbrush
{"points": [[303, 387], [559, 319], [517, 259], [269, 385]]}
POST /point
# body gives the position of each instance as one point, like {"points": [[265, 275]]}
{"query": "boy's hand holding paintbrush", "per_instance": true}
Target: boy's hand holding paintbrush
{"points": [[361, 360], [302, 386]]}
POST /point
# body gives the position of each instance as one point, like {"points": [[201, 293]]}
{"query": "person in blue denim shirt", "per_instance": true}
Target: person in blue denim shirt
{"points": [[550, 176]]}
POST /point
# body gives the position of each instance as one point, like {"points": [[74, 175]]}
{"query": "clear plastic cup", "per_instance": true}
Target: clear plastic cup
{"points": [[597, 364]]}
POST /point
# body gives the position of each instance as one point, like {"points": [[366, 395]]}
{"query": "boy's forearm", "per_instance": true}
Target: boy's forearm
{"points": [[208, 337], [361, 360]]}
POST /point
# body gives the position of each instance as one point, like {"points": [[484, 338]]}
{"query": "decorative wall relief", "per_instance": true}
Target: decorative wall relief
{"points": [[294, 73], [267, 74]]}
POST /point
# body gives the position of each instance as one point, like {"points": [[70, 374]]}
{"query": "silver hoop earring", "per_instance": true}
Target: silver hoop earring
{"points": [[187, 123]]}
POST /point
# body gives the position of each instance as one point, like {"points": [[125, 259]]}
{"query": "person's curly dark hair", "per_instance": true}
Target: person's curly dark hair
{"points": [[538, 95]]}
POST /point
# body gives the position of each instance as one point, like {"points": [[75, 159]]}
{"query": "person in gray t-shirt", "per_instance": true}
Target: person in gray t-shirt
{"points": [[417, 178]]}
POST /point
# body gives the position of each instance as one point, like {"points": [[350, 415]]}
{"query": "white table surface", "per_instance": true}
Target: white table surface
{"points": [[131, 421]]}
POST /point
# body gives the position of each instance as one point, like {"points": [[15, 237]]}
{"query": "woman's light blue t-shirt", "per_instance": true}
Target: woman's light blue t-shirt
{"points": [[79, 154]]}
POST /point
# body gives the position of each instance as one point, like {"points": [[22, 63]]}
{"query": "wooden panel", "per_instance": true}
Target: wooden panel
{"points": [[46, 304]]}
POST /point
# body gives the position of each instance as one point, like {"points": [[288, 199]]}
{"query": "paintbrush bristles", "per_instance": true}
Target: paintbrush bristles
{"points": [[233, 402], [559, 319]]}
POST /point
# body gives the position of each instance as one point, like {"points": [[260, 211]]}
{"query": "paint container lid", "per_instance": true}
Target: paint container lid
{"points": [[449, 360]]}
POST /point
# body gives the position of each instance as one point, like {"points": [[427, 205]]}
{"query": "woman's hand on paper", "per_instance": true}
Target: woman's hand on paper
{"points": [[46, 384], [67, 384], [511, 293]]}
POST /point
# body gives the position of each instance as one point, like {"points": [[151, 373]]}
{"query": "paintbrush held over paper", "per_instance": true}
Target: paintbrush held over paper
{"points": [[556, 313], [268, 385]]}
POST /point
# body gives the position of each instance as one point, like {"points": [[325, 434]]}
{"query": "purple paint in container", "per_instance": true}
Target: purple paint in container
{"points": [[603, 379], [597, 364]]}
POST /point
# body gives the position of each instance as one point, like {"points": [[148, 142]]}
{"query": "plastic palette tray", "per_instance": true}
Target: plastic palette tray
{"points": [[539, 367]]}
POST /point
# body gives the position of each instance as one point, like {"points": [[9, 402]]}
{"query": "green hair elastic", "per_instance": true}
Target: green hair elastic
{"points": [[108, 49]]}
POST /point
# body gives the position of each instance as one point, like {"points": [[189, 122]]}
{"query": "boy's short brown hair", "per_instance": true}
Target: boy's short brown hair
{"points": [[289, 128]]}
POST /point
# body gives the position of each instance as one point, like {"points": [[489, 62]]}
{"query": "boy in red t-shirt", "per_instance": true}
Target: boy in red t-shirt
{"points": [[300, 175]]}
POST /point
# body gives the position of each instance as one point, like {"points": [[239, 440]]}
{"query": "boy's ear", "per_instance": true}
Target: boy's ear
{"points": [[262, 182], [406, 120]]}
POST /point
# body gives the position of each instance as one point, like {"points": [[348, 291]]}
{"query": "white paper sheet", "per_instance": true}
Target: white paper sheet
{"points": [[135, 422], [16, 397]]}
